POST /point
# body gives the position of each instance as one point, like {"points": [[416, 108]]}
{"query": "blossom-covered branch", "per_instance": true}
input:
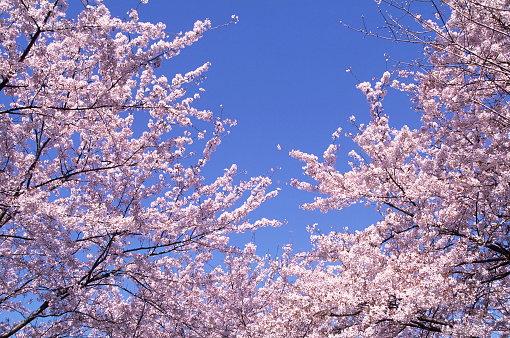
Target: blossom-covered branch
{"points": [[107, 224]]}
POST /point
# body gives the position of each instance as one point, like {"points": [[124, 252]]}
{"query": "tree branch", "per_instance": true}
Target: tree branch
{"points": [[26, 321]]}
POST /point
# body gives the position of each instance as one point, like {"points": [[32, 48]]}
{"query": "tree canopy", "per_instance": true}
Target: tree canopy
{"points": [[111, 232]]}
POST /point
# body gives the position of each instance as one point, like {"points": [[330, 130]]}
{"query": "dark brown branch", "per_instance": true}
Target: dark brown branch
{"points": [[26, 321], [399, 209], [30, 44], [435, 321]]}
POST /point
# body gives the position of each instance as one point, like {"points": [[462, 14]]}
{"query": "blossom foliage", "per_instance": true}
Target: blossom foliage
{"points": [[107, 224], [438, 262]]}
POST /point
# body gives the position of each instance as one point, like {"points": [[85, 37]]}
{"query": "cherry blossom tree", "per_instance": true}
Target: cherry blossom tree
{"points": [[438, 262], [108, 229]]}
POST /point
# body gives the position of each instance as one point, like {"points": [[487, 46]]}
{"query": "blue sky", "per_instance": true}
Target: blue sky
{"points": [[281, 73]]}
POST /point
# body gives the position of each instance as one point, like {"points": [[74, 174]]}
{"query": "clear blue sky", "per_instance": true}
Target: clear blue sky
{"points": [[281, 73]]}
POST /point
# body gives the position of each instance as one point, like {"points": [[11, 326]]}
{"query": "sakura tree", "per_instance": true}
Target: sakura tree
{"points": [[107, 229], [438, 262]]}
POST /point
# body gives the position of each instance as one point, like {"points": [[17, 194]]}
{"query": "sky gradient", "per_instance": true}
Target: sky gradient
{"points": [[281, 73]]}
